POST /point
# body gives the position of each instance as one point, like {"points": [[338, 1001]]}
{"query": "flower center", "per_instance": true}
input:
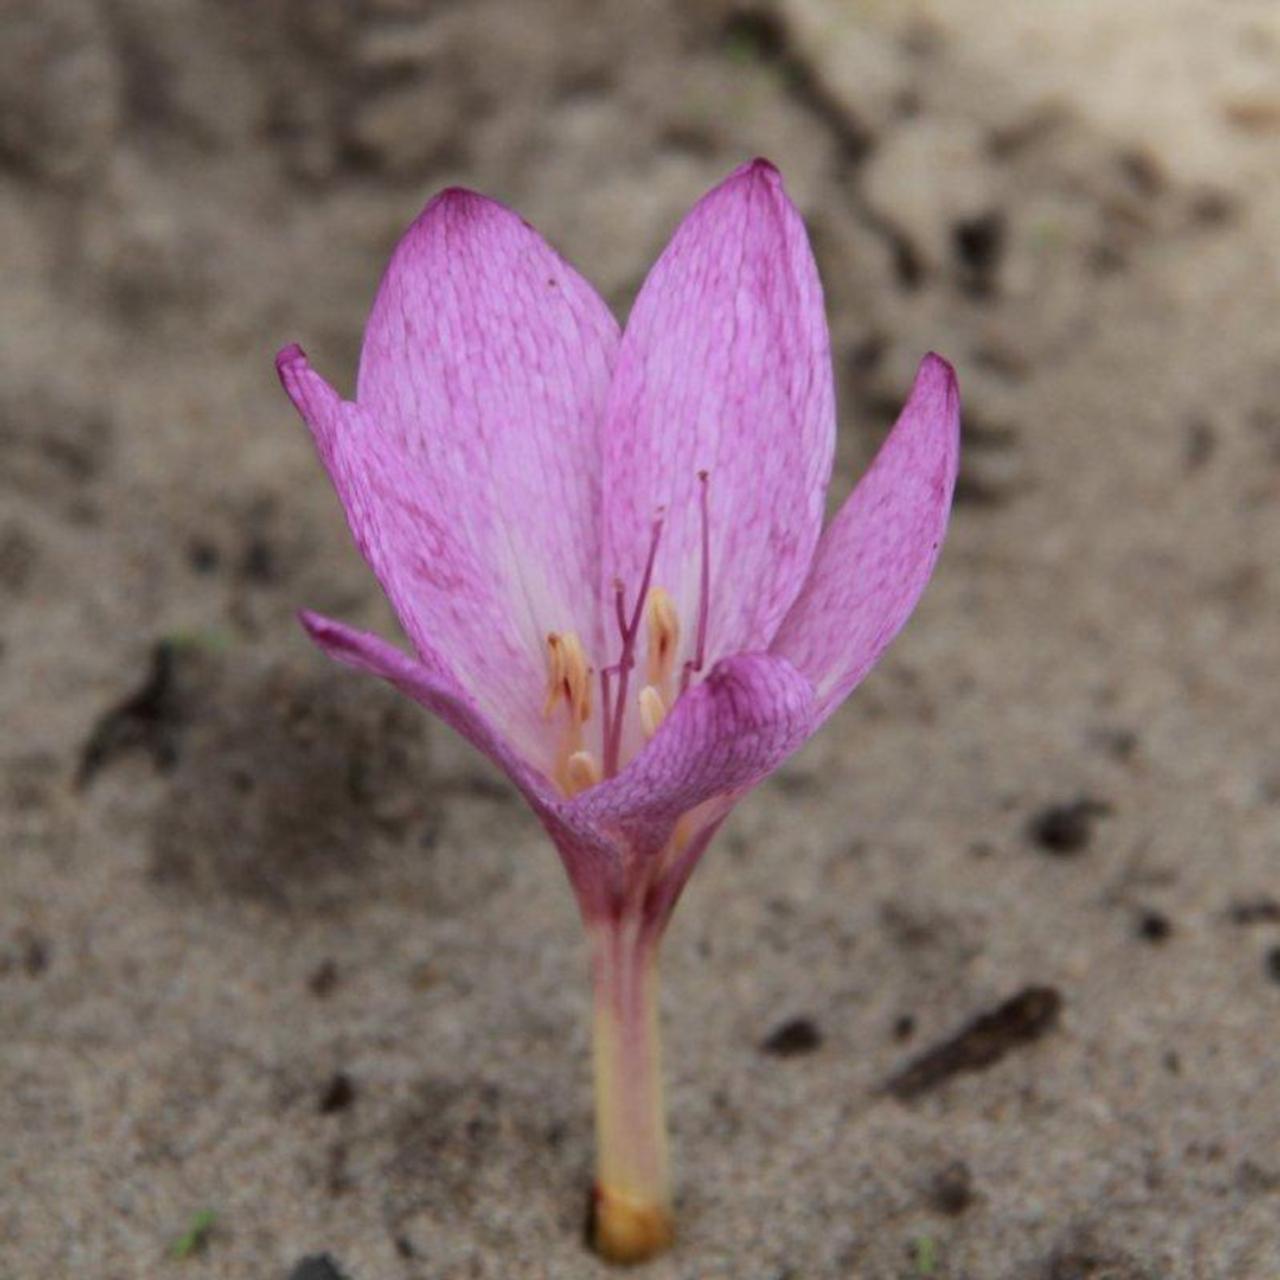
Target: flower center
{"points": [[569, 674]]}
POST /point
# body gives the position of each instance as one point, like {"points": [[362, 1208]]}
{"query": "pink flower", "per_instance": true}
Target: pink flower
{"points": [[606, 547]]}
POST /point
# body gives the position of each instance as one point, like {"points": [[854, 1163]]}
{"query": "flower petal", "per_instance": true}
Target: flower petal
{"points": [[472, 455], [590, 856], [404, 543], [725, 367], [432, 686], [875, 558], [723, 736]]}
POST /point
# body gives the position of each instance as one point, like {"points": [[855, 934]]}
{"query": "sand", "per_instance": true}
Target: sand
{"points": [[284, 963]]}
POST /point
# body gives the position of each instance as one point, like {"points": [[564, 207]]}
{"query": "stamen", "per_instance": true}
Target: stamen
{"points": [[555, 673], [664, 636], [606, 706], [613, 744], [581, 772], [568, 676], [620, 605], [577, 677], [659, 517], [569, 682], [704, 588], [653, 711]]}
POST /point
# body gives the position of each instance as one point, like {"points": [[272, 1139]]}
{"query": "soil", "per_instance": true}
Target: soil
{"points": [[290, 981]]}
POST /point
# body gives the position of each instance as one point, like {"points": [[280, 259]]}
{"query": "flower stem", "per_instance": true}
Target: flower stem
{"points": [[632, 1196]]}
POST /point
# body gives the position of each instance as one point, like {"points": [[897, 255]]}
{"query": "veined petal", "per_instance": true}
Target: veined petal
{"points": [[725, 367], [406, 543], [723, 736], [430, 684], [877, 555], [472, 454], [591, 857]]}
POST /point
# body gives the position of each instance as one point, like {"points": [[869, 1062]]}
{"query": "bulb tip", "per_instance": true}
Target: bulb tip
{"points": [[626, 1230]]}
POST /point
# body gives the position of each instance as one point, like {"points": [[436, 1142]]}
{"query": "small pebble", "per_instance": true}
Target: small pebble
{"points": [[792, 1038], [1065, 829], [1153, 926], [202, 556], [951, 1191], [338, 1095], [323, 979], [319, 1266]]}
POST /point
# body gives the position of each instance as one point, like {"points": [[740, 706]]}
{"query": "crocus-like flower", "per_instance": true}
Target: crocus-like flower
{"points": [[606, 548]]}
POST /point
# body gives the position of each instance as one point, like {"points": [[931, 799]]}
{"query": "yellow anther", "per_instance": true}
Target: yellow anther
{"points": [[568, 676], [569, 685], [653, 711], [580, 772], [555, 673], [664, 636]]}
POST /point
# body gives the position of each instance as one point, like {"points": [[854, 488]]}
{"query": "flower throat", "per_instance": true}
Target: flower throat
{"points": [[570, 676]]}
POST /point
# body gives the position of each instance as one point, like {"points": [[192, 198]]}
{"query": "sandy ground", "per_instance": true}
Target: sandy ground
{"points": [[276, 951]]}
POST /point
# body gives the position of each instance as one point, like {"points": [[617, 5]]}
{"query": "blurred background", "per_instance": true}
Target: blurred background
{"points": [[286, 972]]}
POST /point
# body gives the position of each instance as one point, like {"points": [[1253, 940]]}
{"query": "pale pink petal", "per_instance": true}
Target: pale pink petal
{"points": [[722, 736], [470, 464], [380, 514], [874, 560], [431, 685], [405, 544], [591, 857], [725, 367]]}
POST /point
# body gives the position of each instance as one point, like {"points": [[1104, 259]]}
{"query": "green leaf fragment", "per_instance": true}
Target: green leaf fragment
{"points": [[926, 1255], [196, 1236]]}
